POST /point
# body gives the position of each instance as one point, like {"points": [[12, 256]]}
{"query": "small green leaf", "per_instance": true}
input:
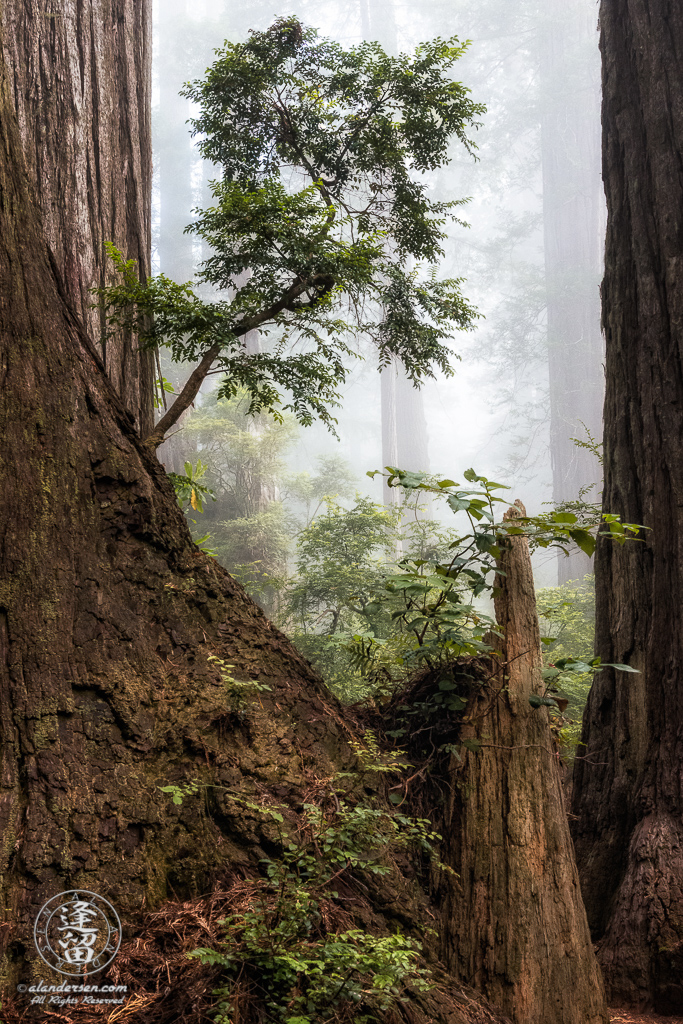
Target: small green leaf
{"points": [[458, 503], [584, 539], [537, 701]]}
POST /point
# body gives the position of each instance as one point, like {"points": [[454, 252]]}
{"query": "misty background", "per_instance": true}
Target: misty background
{"points": [[530, 375]]}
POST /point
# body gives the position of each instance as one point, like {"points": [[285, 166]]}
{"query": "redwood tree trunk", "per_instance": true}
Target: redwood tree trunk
{"points": [[80, 79], [628, 790], [514, 923], [572, 221]]}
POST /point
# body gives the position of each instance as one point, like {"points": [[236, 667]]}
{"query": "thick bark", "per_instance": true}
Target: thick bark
{"points": [[514, 923], [628, 790], [80, 79], [572, 223]]}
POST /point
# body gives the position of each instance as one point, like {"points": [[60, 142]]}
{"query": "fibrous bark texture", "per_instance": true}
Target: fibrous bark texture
{"points": [[628, 789], [514, 923], [80, 79], [573, 239]]}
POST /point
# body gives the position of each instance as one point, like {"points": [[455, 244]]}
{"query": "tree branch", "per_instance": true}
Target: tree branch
{"points": [[199, 374], [185, 398]]}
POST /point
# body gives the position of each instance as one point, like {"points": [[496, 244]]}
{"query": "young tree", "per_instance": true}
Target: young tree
{"points": [[627, 796], [81, 87], [320, 207]]}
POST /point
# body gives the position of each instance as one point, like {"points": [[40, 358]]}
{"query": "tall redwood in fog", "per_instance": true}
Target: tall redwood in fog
{"points": [[80, 79], [629, 787], [572, 222]]}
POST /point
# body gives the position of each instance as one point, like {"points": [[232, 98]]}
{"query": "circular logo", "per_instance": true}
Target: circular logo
{"points": [[77, 932]]}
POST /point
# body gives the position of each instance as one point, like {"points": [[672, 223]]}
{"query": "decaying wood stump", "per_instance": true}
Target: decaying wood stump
{"points": [[514, 923]]}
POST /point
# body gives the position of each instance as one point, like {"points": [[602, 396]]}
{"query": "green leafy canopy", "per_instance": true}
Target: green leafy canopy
{"points": [[323, 228]]}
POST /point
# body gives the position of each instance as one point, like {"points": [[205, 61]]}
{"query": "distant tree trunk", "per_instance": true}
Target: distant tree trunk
{"points": [[80, 79], [404, 426], [627, 790], [388, 380], [175, 159], [514, 923], [572, 219], [173, 146]]}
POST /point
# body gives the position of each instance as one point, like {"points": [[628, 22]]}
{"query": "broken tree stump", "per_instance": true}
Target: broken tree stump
{"points": [[514, 922]]}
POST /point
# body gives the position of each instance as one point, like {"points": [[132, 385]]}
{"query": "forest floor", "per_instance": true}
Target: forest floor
{"points": [[626, 1017]]}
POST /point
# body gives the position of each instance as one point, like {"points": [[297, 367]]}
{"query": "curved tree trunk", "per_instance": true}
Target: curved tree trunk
{"points": [[515, 925], [628, 790], [80, 79]]}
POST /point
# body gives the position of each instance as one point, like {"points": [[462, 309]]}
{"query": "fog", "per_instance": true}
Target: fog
{"points": [[529, 374]]}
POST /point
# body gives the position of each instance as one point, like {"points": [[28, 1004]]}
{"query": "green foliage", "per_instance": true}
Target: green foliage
{"points": [[337, 608], [366, 620], [341, 566], [180, 792], [323, 226], [567, 620], [279, 946], [590, 444], [306, 491], [162, 387], [340, 563], [238, 691], [191, 495], [371, 760]]}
